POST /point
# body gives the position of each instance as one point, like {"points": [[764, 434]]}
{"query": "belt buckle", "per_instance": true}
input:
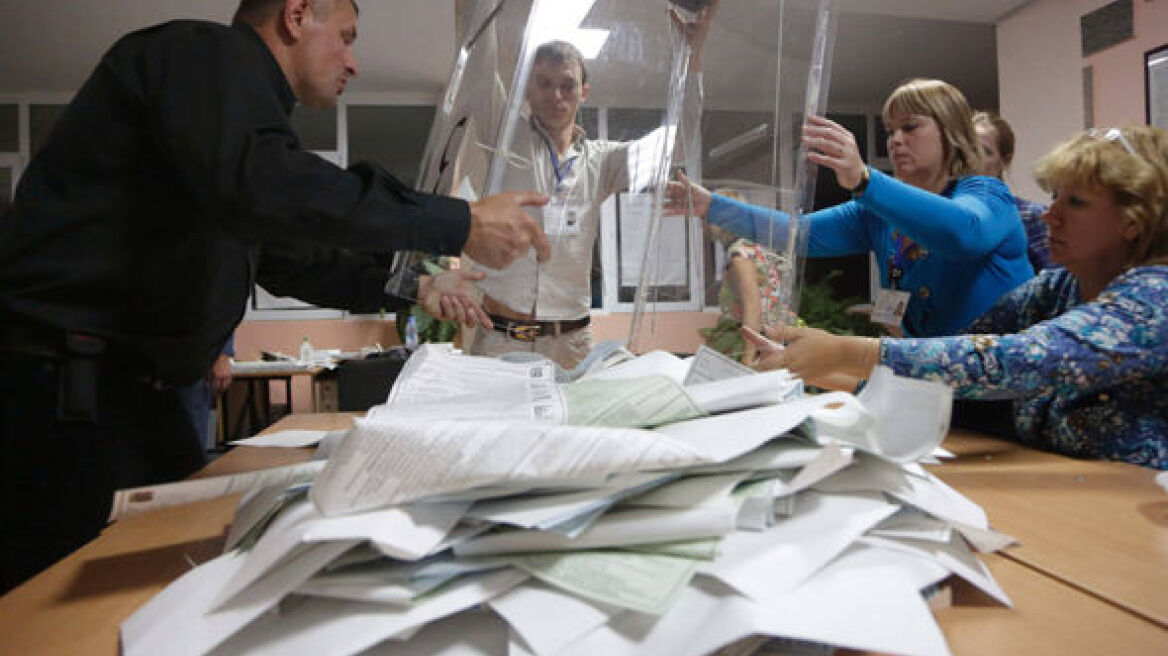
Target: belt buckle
{"points": [[522, 332]]}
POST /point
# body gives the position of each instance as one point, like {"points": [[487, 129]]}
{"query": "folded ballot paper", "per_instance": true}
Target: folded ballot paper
{"points": [[658, 506]]}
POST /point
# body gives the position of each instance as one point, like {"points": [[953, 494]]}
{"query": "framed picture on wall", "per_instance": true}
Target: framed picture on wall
{"points": [[1156, 86]]}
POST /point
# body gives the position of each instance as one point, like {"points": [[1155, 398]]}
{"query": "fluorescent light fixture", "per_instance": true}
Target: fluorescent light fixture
{"points": [[588, 41], [563, 22], [741, 141]]}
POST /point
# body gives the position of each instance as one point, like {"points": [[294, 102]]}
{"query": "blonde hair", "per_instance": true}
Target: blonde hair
{"points": [[1137, 179], [946, 105]]}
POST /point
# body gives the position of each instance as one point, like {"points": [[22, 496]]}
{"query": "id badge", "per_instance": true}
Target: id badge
{"points": [[890, 307], [561, 217]]}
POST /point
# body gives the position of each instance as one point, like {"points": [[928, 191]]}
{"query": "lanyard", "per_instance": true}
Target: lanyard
{"points": [[896, 264], [561, 172]]}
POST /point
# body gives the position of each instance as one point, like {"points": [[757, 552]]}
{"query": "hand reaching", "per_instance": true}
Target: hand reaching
{"points": [[687, 197], [501, 231], [451, 296], [830, 144], [696, 30], [813, 354]]}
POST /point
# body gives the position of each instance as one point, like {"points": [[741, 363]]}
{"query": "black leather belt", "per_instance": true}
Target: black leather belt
{"points": [[56, 344], [527, 330], [48, 342]]}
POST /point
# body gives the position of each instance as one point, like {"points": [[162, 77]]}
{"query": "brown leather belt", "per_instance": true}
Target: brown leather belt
{"points": [[527, 330]]}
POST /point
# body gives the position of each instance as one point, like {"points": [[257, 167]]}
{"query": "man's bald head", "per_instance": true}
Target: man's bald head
{"points": [[258, 12]]}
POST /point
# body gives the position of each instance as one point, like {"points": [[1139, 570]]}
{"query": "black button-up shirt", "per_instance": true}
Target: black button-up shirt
{"points": [[173, 181]]}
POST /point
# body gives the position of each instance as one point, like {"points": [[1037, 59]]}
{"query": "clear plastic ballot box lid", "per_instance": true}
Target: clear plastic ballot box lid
{"points": [[716, 91]]}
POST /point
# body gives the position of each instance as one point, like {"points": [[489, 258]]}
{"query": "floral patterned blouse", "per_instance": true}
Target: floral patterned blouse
{"points": [[1087, 379], [767, 267]]}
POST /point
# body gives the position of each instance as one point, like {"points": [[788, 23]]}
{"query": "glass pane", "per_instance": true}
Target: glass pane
{"points": [[392, 136], [498, 128], [9, 129], [316, 127], [767, 66], [41, 119], [589, 119]]}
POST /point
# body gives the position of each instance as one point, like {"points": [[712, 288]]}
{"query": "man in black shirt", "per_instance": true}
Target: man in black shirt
{"points": [[170, 185]]}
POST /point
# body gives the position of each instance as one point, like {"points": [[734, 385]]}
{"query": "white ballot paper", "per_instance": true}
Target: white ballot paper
{"points": [[151, 497], [407, 532], [329, 626], [742, 392], [870, 608], [647, 583], [546, 618], [901, 419], [614, 529], [287, 438], [708, 365], [653, 363], [763, 565], [384, 463], [436, 382], [182, 619], [628, 402], [476, 632]]}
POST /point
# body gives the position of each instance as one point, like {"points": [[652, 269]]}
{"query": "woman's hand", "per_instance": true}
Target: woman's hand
{"points": [[813, 354], [450, 296], [695, 31], [687, 197], [830, 144]]}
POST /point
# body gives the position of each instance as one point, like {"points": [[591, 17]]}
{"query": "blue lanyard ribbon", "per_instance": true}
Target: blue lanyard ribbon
{"points": [[561, 172]]}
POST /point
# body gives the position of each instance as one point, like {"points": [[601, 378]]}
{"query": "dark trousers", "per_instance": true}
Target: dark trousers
{"points": [[59, 475]]}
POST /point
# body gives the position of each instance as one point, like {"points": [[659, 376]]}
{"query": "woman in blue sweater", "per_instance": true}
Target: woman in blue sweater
{"points": [[1082, 349], [948, 243]]}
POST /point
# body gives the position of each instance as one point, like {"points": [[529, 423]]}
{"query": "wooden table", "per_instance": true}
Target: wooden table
{"points": [[1069, 598], [1098, 526], [255, 411]]}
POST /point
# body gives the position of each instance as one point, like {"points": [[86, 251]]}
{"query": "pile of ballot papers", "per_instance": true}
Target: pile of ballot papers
{"points": [[655, 506]]}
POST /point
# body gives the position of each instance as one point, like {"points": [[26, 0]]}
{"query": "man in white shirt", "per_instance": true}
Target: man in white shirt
{"points": [[544, 308]]}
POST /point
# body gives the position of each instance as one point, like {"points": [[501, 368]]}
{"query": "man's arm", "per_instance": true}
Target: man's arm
{"points": [[337, 278], [214, 108]]}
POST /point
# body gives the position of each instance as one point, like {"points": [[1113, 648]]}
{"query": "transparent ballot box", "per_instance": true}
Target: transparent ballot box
{"points": [[600, 105]]}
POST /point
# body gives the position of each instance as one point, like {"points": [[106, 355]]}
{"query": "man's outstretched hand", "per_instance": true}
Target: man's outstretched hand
{"points": [[500, 231]]}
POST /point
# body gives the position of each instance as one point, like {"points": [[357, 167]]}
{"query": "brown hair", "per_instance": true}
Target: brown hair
{"points": [[1005, 135], [1137, 179], [946, 105], [562, 52]]}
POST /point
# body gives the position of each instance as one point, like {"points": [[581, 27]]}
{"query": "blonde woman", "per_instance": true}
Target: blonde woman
{"points": [[948, 241], [1081, 350]]}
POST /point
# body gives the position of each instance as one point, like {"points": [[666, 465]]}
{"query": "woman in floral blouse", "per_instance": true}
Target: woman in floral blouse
{"points": [[750, 292], [749, 296], [1082, 350]]}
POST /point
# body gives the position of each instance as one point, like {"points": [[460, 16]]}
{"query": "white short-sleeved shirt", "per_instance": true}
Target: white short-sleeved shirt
{"points": [[590, 172]]}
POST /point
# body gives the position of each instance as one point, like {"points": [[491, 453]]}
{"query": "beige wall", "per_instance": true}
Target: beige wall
{"points": [[671, 331], [1119, 70], [1040, 78]]}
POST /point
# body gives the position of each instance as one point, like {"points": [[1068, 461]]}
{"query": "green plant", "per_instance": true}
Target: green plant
{"points": [[429, 328], [819, 308]]}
